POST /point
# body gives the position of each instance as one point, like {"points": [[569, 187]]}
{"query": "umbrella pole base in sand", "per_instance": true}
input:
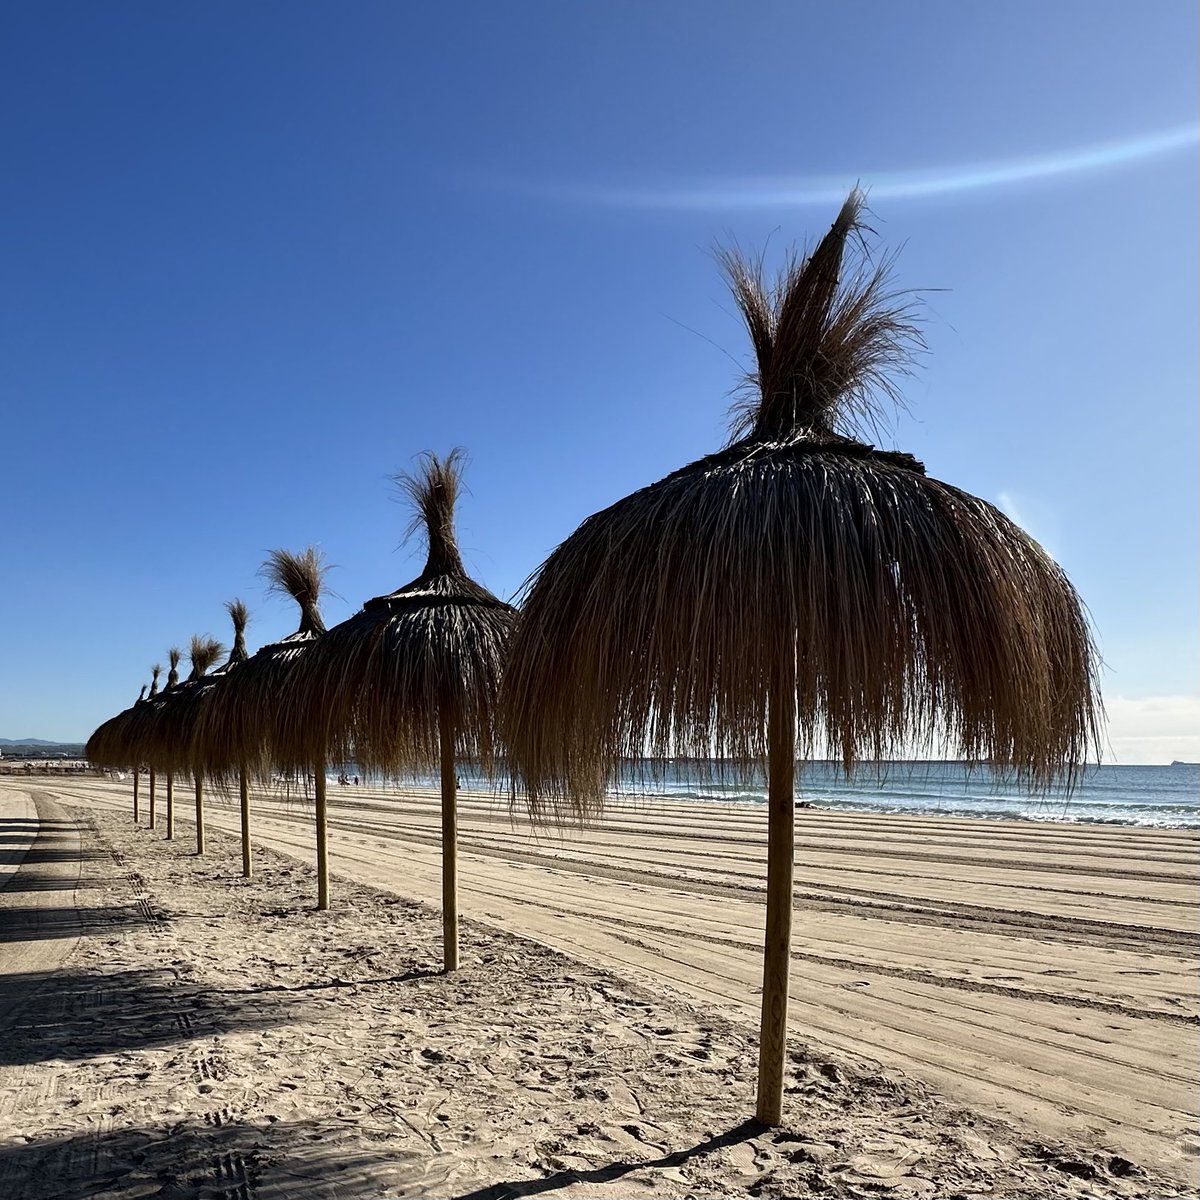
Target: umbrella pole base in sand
{"points": [[244, 790], [781, 855], [322, 839], [136, 778], [449, 847], [170, 807], [152, 781]]}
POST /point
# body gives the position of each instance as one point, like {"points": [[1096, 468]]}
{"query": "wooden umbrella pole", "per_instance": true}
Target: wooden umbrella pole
{"points": [[136, 776], [322, 839], [170, 807], [244, 789], [199, 813], [151, 797], [449, 844], [781, 853]]}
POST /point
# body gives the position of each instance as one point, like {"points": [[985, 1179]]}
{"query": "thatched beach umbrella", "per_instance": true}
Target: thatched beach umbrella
{"points": [[410, 682], [235, 729], [164, 735], [799, 590]]}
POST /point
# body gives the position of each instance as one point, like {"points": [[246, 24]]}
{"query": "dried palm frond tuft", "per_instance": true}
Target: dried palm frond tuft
{"points": [[433, 492], [155, 672], [174, 655], [301, 576], [829, 339], [203, 655], [239, 614]]}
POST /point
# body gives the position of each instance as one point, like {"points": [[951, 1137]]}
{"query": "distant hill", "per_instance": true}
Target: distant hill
{"points": [[39, 748]]}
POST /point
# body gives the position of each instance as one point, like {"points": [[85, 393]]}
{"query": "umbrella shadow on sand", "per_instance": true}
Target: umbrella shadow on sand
{"points": [[617, 1170], [70, 1015]]}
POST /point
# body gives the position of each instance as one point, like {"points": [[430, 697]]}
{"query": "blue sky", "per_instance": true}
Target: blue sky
{"points": [[256, 257]]}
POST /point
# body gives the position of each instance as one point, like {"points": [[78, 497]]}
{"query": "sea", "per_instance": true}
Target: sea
{"points": [[1156, 797]]}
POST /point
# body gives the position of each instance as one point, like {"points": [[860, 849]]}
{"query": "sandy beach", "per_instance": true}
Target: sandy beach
{"points": [[978, 1008]]}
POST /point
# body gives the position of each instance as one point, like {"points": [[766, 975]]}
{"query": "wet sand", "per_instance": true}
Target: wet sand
{"points": [[1037, 980]]}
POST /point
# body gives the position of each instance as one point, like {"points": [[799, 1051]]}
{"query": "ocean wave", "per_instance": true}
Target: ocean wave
{"points": [[1138, 797], [995, 808]]}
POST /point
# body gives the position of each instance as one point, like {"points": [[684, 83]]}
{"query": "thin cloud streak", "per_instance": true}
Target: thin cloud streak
{"points": [[823, 190]]}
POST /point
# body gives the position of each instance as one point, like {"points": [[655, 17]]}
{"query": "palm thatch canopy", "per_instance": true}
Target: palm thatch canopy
{"points": [[234, 726], [160, 728], [376, 686], [906, 613]]}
